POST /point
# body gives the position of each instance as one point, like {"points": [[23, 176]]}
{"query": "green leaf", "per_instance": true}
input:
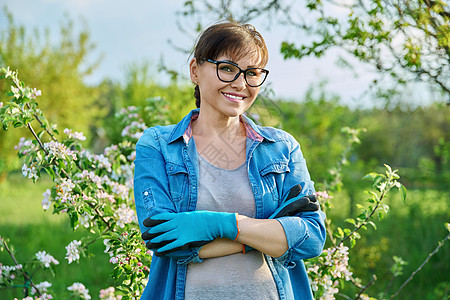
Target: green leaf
{"points": [[350, 220], [352, 243], [388, 168], [370, 176], [403, 191]]}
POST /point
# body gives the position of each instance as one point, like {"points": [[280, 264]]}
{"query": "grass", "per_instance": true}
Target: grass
{"points": [[410, 231], [30, 229]]}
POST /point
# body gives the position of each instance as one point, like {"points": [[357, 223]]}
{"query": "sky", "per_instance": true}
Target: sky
{"points": [[138, 31]]}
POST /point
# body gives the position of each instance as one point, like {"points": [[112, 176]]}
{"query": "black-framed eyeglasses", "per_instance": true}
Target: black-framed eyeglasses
{"points": [[229, 72]]}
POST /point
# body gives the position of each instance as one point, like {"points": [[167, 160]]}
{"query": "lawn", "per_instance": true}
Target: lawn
{"points": [[30, 229]]}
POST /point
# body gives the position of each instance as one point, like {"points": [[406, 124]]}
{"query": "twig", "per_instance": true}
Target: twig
{"points": [[364, 288], [25, 274], [365, 221], [441, 243], [36, 137], [42, 125]]}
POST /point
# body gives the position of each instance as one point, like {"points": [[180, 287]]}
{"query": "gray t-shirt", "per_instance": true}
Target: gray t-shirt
{"points": [[237, 276]]}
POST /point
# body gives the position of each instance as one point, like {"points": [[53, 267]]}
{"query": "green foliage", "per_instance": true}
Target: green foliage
{"points": [[403, 41], [138, 87], [58, 69]]}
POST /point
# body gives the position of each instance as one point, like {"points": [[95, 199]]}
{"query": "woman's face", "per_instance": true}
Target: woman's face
{"points": [[230, 99]]}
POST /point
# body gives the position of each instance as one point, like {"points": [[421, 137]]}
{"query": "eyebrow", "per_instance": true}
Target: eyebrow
{"points": [[248, 67]]}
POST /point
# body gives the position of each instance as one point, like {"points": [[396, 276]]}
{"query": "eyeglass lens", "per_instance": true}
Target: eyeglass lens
{"points": [[229, 72]]}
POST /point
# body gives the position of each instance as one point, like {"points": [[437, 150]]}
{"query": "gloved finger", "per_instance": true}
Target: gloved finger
{"points": [[312, 198], [292, 208], [148, 236], [294, 192], [153, 246], [163, 227], [175, 246], [166, 236], [311, 207], [149, 222], [162, 216], [197, 244]]}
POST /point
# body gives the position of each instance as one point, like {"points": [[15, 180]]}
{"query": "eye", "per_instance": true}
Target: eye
{"points": [[226, 68], [254, 72]]}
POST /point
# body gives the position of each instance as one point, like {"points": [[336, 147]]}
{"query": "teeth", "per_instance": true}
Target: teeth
{"points": [[234, 97]]}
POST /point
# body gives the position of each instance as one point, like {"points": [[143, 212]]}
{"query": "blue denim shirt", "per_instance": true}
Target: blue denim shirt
{"points": [[166, 180]]}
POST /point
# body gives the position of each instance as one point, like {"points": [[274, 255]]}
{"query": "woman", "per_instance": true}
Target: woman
{"points": [[208, 187]]}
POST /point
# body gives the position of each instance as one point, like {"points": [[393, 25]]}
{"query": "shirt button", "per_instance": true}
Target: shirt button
{"points": [[146, 193]]}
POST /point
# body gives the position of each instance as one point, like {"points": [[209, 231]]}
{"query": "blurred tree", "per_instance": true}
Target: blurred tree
{"points": [[58, 69], [139, 85], [402, 40]]}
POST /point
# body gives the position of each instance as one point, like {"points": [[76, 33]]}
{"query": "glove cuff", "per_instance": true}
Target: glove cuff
{"points": [[237, 227]]}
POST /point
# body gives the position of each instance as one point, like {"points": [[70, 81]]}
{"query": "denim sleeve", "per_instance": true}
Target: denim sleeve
{"points": [[305, 232], [151, 184]]}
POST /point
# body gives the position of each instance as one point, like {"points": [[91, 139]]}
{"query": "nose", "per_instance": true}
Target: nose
{"points": [[239, 83]]}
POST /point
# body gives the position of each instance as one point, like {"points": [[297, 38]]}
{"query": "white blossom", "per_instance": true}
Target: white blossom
{"points": [[323, 195], [109, 294], [64, 190], [42, 287], [73, 252], [46, 259], [30, 172], [125, 215], [59, 150], [80, 290], [74, 135], [46, 201]]}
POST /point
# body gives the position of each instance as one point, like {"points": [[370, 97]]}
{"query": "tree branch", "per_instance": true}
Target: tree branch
{"points": [[440, 244]]}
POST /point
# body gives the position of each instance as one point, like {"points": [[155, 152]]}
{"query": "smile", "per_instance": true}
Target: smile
{"points": [[233, 97]]}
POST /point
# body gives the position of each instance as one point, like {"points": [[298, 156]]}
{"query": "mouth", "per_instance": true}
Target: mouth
{"points": [[234, 97]]}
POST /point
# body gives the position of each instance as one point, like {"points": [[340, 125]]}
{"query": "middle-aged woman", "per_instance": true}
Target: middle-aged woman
{"points": [[206, 189]]}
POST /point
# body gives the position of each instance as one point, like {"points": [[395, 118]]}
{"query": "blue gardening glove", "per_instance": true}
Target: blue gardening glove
{"points": [[171, 232]]}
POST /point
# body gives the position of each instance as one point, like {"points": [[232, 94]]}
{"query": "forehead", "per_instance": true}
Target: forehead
{"points": [[251, 57]]}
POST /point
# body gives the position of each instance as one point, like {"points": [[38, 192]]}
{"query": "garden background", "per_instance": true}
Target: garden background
{"points": [[409, 135]]}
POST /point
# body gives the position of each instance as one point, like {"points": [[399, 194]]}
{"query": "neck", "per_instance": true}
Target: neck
{"points": [[209, 125]]}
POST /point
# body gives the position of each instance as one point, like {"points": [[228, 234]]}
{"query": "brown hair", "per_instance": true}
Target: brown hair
{"points": [[233, 39]]}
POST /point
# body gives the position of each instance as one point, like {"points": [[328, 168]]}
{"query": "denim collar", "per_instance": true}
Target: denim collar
{"points": [[183, 129]]}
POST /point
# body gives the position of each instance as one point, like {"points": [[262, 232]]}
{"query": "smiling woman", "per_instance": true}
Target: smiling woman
{"points": [[208, 190]]}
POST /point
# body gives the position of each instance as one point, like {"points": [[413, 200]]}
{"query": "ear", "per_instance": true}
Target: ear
{"points": [[193, 68]]}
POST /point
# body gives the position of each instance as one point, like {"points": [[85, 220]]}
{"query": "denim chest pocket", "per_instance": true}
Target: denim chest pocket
{"points": [[273, 176], [178, 181]]}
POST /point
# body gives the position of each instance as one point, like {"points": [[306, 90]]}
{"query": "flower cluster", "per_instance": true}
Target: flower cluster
{"points": [[78, 289], [109, 294], [43, 289], [59, 150], [46, 259], [73, 252], [9, 272], [31, 171], [332, 266], [64, 190], [323, 195], [125, 215], [74, 135], [46, 200], [25, 147]]}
